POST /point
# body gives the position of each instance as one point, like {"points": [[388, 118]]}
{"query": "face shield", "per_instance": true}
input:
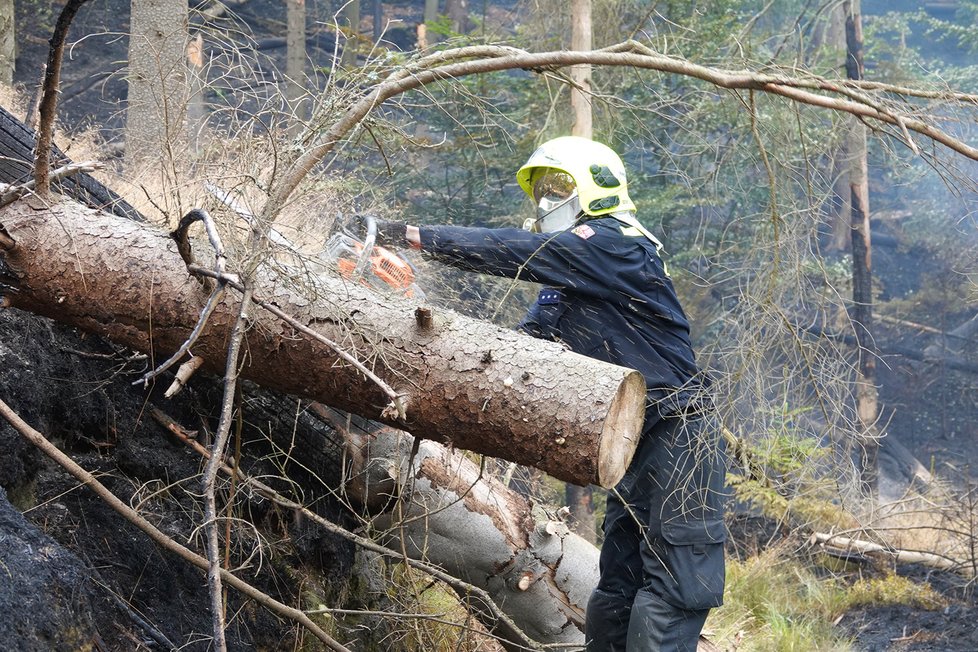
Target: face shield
{"points": [[558, 205]]}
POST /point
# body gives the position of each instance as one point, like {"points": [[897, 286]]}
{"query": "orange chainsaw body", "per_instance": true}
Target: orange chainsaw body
{"points": [[385, 267]]}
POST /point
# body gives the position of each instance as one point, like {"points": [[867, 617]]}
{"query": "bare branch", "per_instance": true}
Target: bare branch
{"points": [[212, 302], [49, 99], [210, 472], [461, 62], [13, 193], [217, 294], [474, 592], [398, 401]]}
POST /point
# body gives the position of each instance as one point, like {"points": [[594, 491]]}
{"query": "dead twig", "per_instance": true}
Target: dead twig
{"points": [[182, 377], [182, 237], [849, 545], [464, 588], [212, 302], [13, 193], [906, 638], [161, 539], [398, 405], [49, 98], [217, 292]]}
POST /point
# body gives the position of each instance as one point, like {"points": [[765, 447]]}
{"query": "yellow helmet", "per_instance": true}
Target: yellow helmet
{"points": [[596, 170]]}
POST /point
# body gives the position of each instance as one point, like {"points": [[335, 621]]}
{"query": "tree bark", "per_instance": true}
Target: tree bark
{"points": [[158, 90], [465, 382], [8, 44], [474, 527], [295, 64], [867, 407]]}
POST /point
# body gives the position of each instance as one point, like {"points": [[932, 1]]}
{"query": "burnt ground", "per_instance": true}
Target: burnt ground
{"points": [[78, 402], [952, 627], [930, 408], [77, 576]]}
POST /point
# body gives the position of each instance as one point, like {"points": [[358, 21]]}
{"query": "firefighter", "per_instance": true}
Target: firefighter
{"points": [[607, 295]]}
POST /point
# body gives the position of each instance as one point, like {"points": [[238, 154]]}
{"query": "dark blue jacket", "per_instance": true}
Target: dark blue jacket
{"points": [[608, 296]]}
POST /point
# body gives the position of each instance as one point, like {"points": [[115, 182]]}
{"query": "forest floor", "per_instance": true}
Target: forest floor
{"points": [[952, 627]]}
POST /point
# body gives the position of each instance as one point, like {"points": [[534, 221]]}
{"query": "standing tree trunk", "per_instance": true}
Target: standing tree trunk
{"points": [[378, 20], [841, 216], [867, 407], [158, 87], [295, 63], [197, 82], [8, 44], [581, 41], [458, 14], [580, 500], [351, 26], [425, 36]]}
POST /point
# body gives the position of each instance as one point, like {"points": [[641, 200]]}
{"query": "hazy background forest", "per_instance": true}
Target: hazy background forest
{"points": [[750, 194]]}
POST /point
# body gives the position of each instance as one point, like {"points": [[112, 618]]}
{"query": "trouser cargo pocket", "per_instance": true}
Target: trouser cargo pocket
{"points": [[692, 564], [688, 532]]}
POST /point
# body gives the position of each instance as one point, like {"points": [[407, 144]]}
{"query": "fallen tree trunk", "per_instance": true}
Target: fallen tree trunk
{"points": [[17, 143], [465, 382], [555, 603], [283, 442], [440, 507], [846, 545], [954, 342]]}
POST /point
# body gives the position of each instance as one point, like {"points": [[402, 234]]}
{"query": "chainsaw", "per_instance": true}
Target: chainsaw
{"points": [[371, 264], [363, 261]]}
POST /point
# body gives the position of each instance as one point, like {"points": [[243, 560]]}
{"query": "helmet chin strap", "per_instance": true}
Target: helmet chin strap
{"points": [[627, 217]]}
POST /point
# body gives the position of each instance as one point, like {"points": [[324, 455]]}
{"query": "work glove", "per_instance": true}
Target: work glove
{"points": [[389, 234]]}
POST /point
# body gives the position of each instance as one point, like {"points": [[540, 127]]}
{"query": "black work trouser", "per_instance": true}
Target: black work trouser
{"points": [[662, 565]]}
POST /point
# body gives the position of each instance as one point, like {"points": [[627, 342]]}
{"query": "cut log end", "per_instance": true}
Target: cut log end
{"points": [[622, 429]]}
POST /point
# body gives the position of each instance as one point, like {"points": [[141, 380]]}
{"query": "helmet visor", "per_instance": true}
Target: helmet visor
{"points": [[552, 185], [553, 216]]}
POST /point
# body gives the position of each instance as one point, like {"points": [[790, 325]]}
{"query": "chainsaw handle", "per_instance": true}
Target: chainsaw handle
{"points": [[368, 245]]}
